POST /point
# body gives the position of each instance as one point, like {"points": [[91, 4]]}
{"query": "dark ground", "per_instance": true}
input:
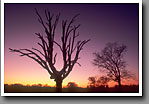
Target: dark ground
{"points": [[17, 88]]}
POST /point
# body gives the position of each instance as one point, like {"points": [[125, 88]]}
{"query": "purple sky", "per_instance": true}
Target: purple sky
{"points": [[102, 23]]}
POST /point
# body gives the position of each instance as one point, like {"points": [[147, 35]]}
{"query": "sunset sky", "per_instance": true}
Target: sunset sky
{"points": [[102, 23]]}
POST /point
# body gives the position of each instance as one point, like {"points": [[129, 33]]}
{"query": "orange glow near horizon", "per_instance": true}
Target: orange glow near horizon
{"points": [[31, 73]]}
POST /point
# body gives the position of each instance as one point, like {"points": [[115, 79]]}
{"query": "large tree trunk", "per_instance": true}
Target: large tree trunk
{"points": [[58, 85], [119, 82]]}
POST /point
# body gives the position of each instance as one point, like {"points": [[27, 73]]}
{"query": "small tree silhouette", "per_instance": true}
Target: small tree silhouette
{"points": [[92, 82], [98, 81], [111, 60], [69, 47], [104, 80], [72, 85]]}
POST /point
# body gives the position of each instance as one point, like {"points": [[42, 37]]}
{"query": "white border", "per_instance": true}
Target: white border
{"points": [[140, 48], [71, 94]]}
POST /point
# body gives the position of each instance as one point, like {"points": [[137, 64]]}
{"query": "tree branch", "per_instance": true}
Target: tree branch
{"points": [[39, 60]]}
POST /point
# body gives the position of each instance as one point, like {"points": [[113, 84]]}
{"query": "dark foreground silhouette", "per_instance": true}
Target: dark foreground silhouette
{"points": [[18, 88], [70, 47]]}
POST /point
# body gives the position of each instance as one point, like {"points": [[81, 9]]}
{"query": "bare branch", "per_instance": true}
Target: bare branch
{"points": [[39, 51], [40, 19], [38, 59], [58, 45], [55, 58], [78, 64]]}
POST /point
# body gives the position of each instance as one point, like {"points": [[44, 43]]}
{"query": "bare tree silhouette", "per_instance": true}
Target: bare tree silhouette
{"points": [[111, 60], [69, 47]]}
